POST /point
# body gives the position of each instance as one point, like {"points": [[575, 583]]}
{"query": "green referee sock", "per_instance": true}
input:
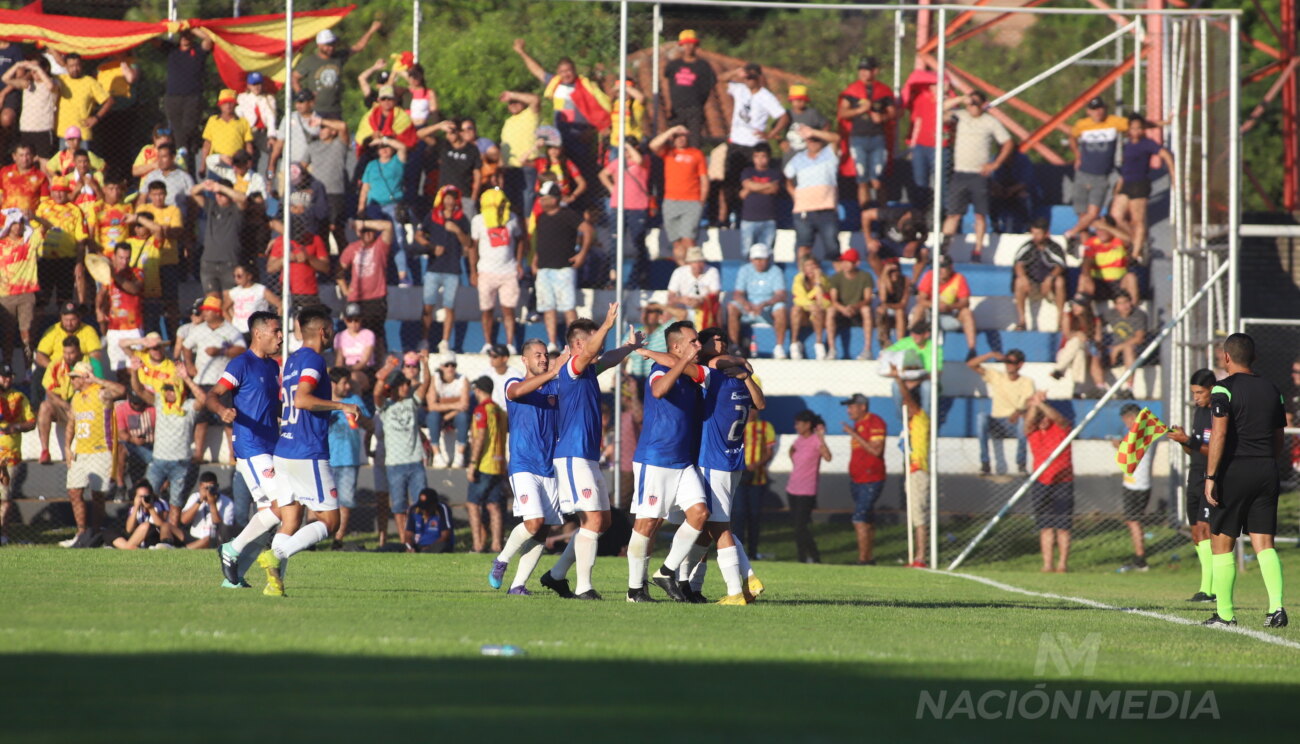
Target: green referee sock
{"points": [[1225, 577], [1205, 555], [1271, 567]]}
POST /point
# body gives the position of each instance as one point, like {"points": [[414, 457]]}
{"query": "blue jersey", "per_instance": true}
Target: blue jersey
{"points": [[255, 382], [578, 414], [670, 431], [726, 409], [304, 435], [532, 430]]}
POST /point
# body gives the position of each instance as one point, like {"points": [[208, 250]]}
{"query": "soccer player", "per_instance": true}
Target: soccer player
{"points": [[302, 454], [1196, 444], [1241, 479], [728, 396], [577, 448], [254, 378], [532, 468]]}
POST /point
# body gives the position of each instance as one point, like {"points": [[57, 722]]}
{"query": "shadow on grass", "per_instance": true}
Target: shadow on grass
{"points": [[237, 697]]}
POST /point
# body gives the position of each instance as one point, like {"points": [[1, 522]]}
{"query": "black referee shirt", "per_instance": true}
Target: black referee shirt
{"points": [[1200, 433], [1255, 412]]}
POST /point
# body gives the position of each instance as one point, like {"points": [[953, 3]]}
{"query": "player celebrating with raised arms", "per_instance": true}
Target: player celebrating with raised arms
{"points": [[577, 449], [254, 378], [532, 467], [302, 454]]}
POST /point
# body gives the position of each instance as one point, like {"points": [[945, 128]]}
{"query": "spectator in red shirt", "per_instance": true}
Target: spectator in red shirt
{"points": [[866, 433], [1052, 492], [954, 302], [362, 276], [307, 258], [120, 308], [23, 184]]}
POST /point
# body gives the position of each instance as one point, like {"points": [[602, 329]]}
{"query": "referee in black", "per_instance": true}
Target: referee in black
{"points": [[1241, 481]]}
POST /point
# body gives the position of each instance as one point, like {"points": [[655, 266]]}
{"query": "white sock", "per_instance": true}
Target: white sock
{"points": [[729, 565], [683, 541], [561, 567], [261, 523], [529, 554], [248, 556], [584, 550], [684, 571], [746, 569], [699, 570], [304, 538], [638, 557], [518, 536]]}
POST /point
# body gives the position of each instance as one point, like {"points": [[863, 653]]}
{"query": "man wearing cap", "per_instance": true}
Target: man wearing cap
{"points": [[496, 264], [16, 417], [686, 187], [363, 271], [868, 106], [977, 133], [298, 129], [64, 162], [850, 290], [499, 372], [64, 233], [759, 297], [866, 433], [1010, 393], [954, 301], [225, 134], [183, 95], [812, 179], [693, 287], [56, 385], [148, 361], [208, 348], [322, 71], [756, 116], [1039, 272], [690, 81], [801, 112], [223, 223], [79, 95], [256, 106], [460, 163], [88, 448], [1093, 140], [555, 264]]}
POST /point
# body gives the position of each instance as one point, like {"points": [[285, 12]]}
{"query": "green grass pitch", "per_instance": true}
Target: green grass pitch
{"points": [[108, 646]]}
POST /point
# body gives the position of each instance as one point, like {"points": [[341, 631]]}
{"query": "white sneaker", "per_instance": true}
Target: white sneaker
{"points": [[778, 352], [510, 349], [444, 346], [865, 353], [551, 348], [831, 353], [819, 350], [68, 543], [486, 348], [796, 350]]}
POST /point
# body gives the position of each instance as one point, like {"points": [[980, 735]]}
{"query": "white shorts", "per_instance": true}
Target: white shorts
{"points": [[536, 498], [258, 473], [582, 485], [90, 472], [663, 490], [117, 356], [722, 485], [309, 482]]}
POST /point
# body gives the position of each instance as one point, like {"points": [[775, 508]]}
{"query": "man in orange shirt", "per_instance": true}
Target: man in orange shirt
{"points": [[686, 188], [954, 302], [119, 307], [866, 433], [23, 183]]}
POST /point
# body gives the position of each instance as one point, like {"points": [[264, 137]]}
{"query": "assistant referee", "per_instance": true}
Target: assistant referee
{"points": [[1241, 482]]}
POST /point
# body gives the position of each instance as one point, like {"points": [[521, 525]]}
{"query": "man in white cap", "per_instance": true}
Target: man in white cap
{"points": [[759, 297], [692, 284], [322, 72]]}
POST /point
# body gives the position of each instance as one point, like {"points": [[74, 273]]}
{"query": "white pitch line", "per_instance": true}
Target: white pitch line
{"points": [[1258, 635]]}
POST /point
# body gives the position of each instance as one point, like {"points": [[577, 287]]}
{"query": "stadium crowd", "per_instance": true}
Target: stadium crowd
{"points": [[99, 237]]}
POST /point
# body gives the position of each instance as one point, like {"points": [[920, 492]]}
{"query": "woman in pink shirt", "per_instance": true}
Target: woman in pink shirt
{"points": [[354, 347], [806, 455]]}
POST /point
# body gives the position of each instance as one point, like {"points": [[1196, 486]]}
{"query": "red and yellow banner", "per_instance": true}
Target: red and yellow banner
{"points": [[240, 45]]}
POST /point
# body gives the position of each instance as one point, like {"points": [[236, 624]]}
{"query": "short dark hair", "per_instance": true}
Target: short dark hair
{"points": [[763, 147], [579, 326], [169, 147], [338, 374], [208, 477], [146, 214], [1123, 293], [1240, 348], [312, 316], [484, 383], [708, 335], [72, 341], [672, 332], [809, 416], [1041, 223], [80, 152], [1204, 378], [1130, 409], [72, 55], [261, 318]]}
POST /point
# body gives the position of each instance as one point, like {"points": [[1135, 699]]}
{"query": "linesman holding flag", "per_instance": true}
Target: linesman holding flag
{"points": [[1241, 481]]}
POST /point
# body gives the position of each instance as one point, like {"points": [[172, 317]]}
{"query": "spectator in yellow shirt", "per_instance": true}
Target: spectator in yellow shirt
{"points": [[487, 467], [78, 97], [812, 298], [64, 231], [760, 448], [224, 135]]}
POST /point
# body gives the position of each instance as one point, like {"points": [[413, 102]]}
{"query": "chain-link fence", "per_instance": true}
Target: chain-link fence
{"points": [[808, 132]]}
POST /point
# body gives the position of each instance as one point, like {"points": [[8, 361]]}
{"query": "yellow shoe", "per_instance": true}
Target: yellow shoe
{"points": [[755, 587], [733, 599], [268, 561]]}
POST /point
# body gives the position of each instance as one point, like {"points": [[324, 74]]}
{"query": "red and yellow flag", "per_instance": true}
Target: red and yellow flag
{"points": [[1147, 428]]}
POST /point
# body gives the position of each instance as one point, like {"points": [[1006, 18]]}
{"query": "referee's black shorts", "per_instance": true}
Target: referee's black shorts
{"points": [[1197, 506], [1247, 498]]}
